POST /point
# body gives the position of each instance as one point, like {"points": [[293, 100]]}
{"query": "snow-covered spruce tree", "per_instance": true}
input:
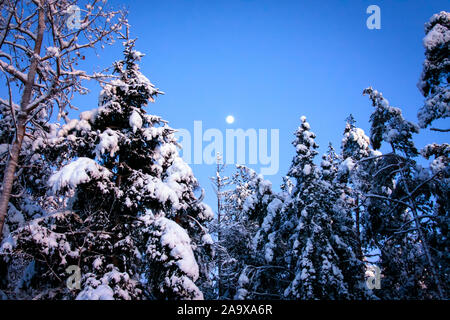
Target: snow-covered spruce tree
{"points": [[221, 278], [434, 85], [356, 173], [434, 81], [439, 168], [306, 150], [345, 224], [319, 257], [303, 172], [243, 199], [263, 274], [355, 143], [439, 185], [388, 125], [29, 199], [133, 223], [399, 213]]}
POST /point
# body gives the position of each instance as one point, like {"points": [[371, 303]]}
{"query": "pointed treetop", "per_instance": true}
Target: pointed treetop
{"points": [[303, 167], [388, 124], [350, 120]]}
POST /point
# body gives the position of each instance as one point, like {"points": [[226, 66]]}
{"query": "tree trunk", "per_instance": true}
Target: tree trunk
{"points": [[219, 207], [8, 178], [11, 165], [358, 232]]}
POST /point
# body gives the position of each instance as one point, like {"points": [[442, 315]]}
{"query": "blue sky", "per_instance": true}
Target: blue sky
{"points": [[270, 62]]}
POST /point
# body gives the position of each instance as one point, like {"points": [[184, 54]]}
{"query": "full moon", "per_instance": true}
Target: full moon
{"points": [[229, 119]]}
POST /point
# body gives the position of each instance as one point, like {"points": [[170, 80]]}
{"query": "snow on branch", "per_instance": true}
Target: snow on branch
{"points": [[79, 171]]}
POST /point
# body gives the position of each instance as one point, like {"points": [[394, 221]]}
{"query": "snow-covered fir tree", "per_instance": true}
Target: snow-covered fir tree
{"points": [[355, 170], [345, 224], [434, 85], [132, 223], [324, 264], [388, 124], [264, 274], [439, 240], [400, 215], [244, 200], [434, 81], [355, 143], [223, 262]]}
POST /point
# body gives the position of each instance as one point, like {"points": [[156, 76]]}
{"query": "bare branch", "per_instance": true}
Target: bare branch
{"points": [[387, 199], [440, 130], [8, 21]]}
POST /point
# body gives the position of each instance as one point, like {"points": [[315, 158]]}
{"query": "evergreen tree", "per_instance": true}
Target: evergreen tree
{"points": [[437, 180], [319, 257], [388, 124], [246, 200], [222, 274], [434, 81], [434, 85], [132, 222], [345, 224], [264, 273], [399, 213], [356, 171]]}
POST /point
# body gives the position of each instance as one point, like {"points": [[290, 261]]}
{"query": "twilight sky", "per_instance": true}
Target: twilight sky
{"points": [[269, 62]]}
